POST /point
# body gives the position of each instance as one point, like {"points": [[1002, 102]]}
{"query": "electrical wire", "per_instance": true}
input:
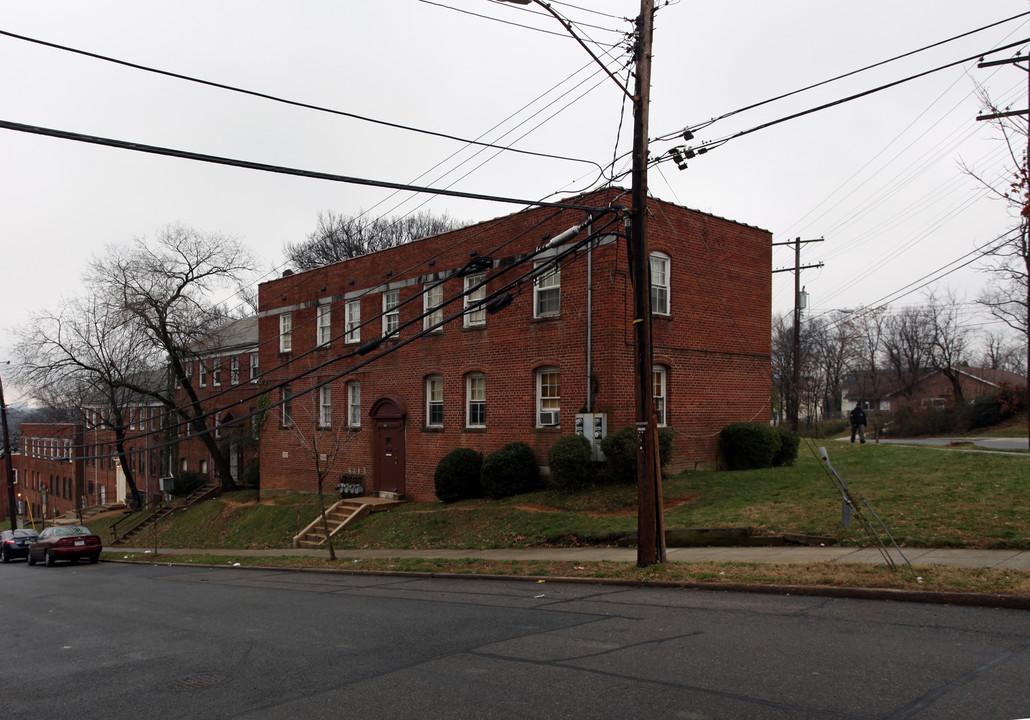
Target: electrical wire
{"points": [[284, 101], [670, 136]]}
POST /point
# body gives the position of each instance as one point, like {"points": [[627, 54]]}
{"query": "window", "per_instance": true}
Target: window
{"points": [[132, 418], [658, 390], [475, 400], [660, 283], [433, 307], [234, 370], [155, 418], [325, 406], [353, 321], [547, 290], [324, 324], [477, 316], [391, 313], [548, 397], [218, 424], [434, 401], [254, 367], [286, 332], [354, 403], [287, 406], [216, 372], [189, 371], [202, 374]]}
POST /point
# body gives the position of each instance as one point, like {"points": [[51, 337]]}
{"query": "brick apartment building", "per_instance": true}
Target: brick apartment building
{"points": [[65, 466], [478, 337]]}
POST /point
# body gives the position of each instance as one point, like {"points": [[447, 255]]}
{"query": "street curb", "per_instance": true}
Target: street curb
{"points": [[1008, 602]]}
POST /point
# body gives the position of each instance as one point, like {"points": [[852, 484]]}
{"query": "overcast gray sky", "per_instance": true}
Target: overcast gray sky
{"points": [[879, 178]]}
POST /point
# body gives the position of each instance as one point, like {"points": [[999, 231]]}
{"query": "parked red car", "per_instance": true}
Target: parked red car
{"points": [[65, 542]]}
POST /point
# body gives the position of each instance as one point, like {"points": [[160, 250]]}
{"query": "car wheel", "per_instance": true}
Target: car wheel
{"points": [[93, 559], [48, 558], [4, 558], [31, 560]]}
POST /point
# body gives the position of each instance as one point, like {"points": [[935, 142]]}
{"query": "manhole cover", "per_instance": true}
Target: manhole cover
{"points": [[196, 681]]}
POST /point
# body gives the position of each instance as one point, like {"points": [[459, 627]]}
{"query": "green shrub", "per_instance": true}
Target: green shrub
{"points": [[788, 450], [457, 475], [620, 449], [187, 481], [512, 470], [749, 445], [569, 460]]}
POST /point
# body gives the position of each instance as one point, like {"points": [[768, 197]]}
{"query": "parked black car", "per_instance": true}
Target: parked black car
{"points": [[64, 542], [15, 543]]}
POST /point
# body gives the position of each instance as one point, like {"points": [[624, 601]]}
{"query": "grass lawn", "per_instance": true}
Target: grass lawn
{"points": [[927, 497]]}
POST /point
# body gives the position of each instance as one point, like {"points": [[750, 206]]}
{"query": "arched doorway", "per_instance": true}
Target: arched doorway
{"points": [[388, 413]]}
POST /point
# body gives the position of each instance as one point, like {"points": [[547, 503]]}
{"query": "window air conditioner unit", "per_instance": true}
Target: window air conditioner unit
{"points": [[550, 418]]}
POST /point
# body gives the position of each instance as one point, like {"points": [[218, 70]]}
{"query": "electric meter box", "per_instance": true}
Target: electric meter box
{"points": [[594, 427]]}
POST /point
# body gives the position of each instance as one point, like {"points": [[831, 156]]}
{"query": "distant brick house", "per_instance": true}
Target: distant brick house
{"points": [[419, 349], [929, 388]]}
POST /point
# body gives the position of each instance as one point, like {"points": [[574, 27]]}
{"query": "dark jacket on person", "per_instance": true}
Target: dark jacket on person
{"points": [[858, 416]]}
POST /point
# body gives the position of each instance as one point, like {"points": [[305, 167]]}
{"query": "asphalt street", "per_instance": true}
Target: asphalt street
{"points": [[128, 641]]}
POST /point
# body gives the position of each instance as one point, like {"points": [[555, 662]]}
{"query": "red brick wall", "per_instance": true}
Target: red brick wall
{"points": [[715, 342]]}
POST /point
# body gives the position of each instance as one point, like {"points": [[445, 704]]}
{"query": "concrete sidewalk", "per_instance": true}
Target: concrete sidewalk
{"points": [[1012, 559]]}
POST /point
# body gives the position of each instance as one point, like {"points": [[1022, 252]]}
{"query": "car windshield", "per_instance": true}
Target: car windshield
{"points": [[26, 533], [71, 530]]}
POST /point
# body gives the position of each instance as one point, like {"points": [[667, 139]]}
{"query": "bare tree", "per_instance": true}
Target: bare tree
{"points": [[1000, 352], [168, 287], [835, 341], [324, 437], [87, 354], [341, 237], [950, 340], [1008, 258], [907, 343]]}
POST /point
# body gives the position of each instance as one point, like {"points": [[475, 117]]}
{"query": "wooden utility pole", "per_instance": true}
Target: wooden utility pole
{"points": [[1025, 219], [8, 462], [795, 392], [650, 515]]}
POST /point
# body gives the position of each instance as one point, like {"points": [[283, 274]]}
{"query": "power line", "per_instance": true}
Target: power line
{"points": [[285, 101], [841, 77], [280, 169]]}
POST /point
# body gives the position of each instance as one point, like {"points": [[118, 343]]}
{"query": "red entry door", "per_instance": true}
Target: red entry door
{"points": [[388, 441]]}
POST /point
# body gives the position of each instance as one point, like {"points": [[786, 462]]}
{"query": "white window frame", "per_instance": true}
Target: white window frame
{"points": [[432, 306], [325, 328], [660, 391], [547, 289], [391, 312], [234, 370], [475, 400], [660, 267], [255, 366], [325, 406], [202, 374], [218, 424], [354, 403], [434, 399], [216, 372], [286, 409], [352, 321], [285, 332], [476, 317], [551, 401]]}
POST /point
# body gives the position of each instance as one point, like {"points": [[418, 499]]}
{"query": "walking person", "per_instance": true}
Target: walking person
{"points": [[857, 416]]}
